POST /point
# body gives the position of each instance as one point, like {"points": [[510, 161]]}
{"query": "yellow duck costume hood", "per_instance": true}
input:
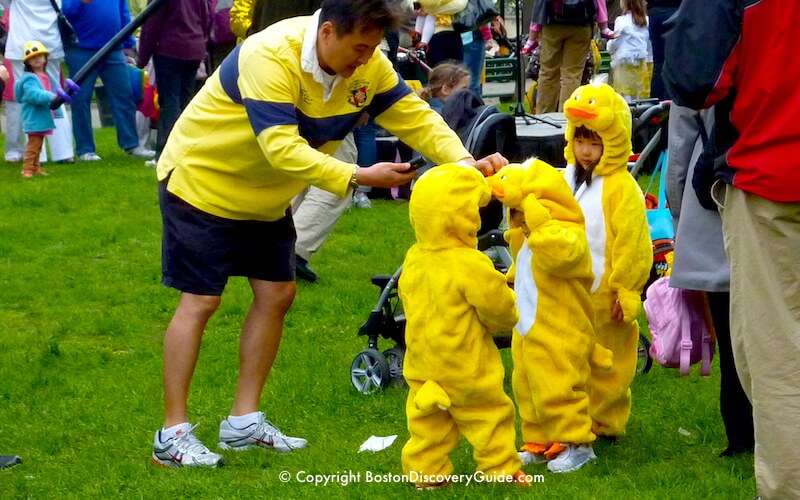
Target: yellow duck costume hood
{"points": [[599, 108], [444, 207], [540, 192]]}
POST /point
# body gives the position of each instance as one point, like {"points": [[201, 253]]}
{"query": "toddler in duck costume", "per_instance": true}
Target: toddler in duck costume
{"points": [[553, 342], [454, 300], [598, 146]]}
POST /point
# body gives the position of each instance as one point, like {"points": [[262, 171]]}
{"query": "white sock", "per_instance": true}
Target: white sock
{"points": [[242, 421], [171, 432]]}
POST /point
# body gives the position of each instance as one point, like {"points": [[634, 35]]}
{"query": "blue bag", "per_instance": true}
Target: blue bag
{"points": [[659, 219]]}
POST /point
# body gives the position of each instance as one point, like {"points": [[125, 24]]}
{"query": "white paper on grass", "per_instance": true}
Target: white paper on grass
{"points": [[377, 443]]}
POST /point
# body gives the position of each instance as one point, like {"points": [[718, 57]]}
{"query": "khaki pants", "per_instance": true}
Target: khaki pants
{"points": [[316, 211], [563, 57], [762, 239]]}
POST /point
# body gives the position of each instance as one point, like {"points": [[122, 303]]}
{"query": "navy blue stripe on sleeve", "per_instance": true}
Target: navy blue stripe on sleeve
{"points": [[382, 102], [263, 115], [229, 75]]}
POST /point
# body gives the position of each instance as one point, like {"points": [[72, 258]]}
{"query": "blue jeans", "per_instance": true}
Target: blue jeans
{"points": [[658, 30], [176, 85], [367, 147], [113, 70], [474, 58]]}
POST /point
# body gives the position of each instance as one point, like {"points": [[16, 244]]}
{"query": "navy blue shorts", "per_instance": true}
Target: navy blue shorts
{"points": [[200, 251]]}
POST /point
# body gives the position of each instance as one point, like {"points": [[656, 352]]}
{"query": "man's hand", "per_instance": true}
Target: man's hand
{"points": [[488, 165], [3, 73], [385, 174]]}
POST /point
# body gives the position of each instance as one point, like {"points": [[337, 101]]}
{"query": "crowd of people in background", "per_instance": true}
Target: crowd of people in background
{"points": [[737, 160]]}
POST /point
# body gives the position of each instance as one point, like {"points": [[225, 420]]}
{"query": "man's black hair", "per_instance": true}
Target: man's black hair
{"points": [[349, 15]]}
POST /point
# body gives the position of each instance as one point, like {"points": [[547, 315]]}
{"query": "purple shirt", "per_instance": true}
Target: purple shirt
{"points": [[180, 29]]}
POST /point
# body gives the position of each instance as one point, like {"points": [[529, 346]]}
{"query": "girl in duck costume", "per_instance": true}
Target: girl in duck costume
{"points": [[598, 146], [553, 342], [454, 300]]}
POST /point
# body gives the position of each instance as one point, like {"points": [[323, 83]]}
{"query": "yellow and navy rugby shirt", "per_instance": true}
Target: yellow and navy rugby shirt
{"points": [[261, 129]]}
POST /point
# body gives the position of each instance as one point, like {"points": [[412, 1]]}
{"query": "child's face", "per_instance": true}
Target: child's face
{"points": [[588, 151], [37, 62]]}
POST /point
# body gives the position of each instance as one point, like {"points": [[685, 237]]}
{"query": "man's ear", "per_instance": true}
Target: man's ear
{"points": [[326, 30]]}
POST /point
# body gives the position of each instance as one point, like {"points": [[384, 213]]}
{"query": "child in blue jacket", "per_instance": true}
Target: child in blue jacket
{"points": [[34, 91]]}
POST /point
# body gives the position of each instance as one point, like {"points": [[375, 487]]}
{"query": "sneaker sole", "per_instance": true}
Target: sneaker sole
{"points": [[169, 464], [226, 446], [572, 469]]}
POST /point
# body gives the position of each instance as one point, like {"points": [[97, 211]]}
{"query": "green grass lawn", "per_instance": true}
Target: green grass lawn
{"points": [[82, 313]]}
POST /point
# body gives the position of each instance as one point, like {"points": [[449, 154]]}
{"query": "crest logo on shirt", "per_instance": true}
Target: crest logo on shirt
{"points": [[358, 95]]}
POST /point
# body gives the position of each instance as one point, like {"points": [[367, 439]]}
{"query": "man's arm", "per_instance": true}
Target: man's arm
{"points": [[269, 91], [698, 78]]}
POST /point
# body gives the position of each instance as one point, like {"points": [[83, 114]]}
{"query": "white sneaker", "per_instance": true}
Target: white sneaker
{"points": [[261, 433], [183, 450], [89, 157], [532, 458], [141, 152], [572, 459], [361, 200], [150, 163]]}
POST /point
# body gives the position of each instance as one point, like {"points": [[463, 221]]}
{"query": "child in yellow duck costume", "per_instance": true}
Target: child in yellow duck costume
{"points": [[553, 342], [619, 240], [454, 300]]}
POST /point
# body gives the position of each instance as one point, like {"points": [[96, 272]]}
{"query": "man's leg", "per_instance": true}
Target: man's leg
{"points": [[181, 347], [175, 444], [762, 239], [246, 427], [82, 102], [116, 78], [260, 339], [552, 52], [577, 44]]}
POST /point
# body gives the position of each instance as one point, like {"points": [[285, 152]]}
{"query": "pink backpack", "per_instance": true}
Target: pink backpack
{"points": [[681, 336]]}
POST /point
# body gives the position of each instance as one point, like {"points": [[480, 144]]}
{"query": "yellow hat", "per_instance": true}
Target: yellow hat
{"points": [[33, 49]]}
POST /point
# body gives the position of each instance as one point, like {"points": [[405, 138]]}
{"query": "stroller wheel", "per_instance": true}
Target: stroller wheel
{"points": [[394, 357], [644, 362], [369, 372]]}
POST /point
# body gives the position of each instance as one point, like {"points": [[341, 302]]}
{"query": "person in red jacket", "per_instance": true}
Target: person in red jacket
{"points": [[748, 63]]}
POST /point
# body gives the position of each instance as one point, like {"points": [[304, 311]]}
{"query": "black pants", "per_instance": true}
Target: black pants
{"points": [[175, 79], [737, 413]]}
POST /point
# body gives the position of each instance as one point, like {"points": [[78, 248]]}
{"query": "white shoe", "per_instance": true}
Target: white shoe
{"points": [[361, 200], [532, 458], [150, 163], [183, 450], [260, 433], [141, 152], [89, 157], [572, 459]]}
